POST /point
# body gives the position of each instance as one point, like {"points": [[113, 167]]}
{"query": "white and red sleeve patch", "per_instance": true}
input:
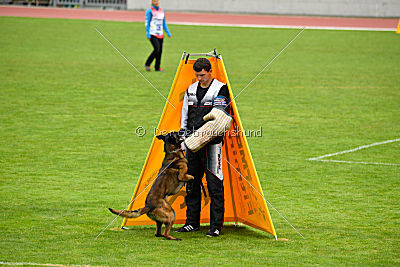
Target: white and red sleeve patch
{"points": [[220, 101]]}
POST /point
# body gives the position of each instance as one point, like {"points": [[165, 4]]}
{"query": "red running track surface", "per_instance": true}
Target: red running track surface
{"points": [[207, 18]]}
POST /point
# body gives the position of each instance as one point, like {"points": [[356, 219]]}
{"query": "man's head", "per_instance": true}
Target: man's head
{"points": [[202, 70], [155, 2]]}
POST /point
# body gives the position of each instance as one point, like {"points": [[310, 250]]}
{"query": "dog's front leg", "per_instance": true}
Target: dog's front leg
{"points": [[183, 176], [189, 177]]}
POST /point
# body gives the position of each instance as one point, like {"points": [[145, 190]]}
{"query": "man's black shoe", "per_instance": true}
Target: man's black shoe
{"points": [[213, 233], [187, 228]]}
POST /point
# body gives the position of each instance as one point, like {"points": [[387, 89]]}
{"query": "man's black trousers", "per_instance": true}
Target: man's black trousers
{"points": [[157, 44], [199, 163]]}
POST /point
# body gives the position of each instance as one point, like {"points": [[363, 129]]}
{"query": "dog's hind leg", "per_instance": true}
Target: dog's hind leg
{"points": [[168, 226], [170, 214], [166, 215], [158, 231]]}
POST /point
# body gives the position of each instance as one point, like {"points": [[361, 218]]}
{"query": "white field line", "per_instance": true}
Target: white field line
{"points": [[320, 158], [39, 264], [358, 162], [284, 26]]}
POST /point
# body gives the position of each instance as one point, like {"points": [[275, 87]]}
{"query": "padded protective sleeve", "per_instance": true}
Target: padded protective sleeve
{"points": [[218, 121]]}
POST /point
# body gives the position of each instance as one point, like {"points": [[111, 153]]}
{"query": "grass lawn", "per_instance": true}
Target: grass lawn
{"points": [[69, 106]]}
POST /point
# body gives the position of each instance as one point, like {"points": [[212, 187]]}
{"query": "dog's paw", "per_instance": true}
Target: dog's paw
{"points": [[189, 177], [159, 235]]}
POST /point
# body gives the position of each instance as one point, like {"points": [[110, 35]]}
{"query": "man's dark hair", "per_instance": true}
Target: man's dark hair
{"points": [[202, 64]]}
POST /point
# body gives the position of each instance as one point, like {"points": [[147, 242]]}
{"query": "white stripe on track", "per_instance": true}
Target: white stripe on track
{"points": [[284, 26]]}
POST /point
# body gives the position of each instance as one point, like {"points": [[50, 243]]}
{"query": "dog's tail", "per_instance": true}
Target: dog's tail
{"points": [[130, 213]]}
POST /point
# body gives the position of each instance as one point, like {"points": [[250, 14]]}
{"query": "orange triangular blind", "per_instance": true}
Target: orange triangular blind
{"points": [[244, 201]]}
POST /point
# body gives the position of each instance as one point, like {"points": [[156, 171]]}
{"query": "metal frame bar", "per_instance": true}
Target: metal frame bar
{"points": [[209, 54]]}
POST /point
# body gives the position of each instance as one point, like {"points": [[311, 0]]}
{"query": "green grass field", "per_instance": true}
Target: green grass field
{"points": [[69, 106]]}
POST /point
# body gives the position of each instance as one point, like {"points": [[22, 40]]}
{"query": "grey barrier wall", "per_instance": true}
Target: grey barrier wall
{"points": [[68, 2], [103, 4], [118, 4], [115, 4], [356, 8]]}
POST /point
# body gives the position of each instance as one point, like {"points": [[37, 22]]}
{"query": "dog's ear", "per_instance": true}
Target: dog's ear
{"points": [[175, 138], [161, 137], [171, 139]]}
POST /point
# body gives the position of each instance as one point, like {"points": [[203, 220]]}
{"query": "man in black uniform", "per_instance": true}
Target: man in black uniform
{"points": [[200, 98]]}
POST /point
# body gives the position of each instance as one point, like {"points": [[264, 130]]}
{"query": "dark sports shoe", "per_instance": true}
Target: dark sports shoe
{"points": [[147, 68], [187, 228], [213, 233]]}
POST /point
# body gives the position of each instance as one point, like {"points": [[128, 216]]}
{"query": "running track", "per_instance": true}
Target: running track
{"points": [[241, 20]]}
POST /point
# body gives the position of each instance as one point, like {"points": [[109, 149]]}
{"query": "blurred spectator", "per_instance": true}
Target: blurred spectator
{"points": [[155, 26]]}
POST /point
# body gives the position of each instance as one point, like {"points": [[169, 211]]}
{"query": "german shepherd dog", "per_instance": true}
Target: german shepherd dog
{"points": [[171, 177]]}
